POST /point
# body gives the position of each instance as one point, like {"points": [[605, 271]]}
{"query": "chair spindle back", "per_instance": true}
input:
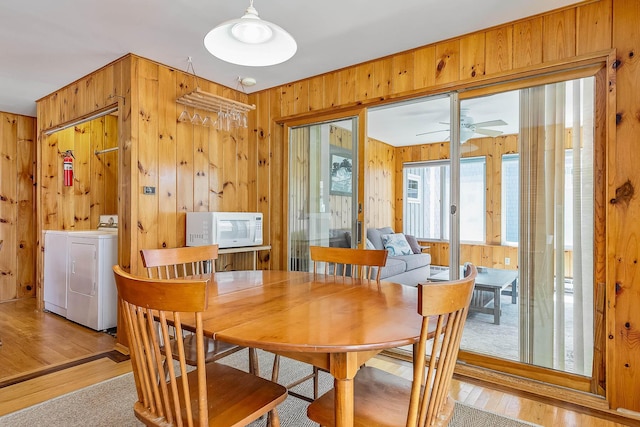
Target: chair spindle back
{"points": [[171, 263], [165, 392], [446, 304], [363, 263]]}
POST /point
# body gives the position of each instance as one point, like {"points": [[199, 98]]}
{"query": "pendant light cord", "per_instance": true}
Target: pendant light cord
{"points": [[193, 71]]}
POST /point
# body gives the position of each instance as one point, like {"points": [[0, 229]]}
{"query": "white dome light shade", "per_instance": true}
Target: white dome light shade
{"points": [[251, 32], [250, 28], [250, 41]]}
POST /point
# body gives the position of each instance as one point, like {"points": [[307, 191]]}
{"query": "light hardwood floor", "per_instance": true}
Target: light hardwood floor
{"points": [[34, 342]]}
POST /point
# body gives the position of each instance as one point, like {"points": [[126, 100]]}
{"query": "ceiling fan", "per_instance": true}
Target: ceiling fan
{"points": [[468, 128]]}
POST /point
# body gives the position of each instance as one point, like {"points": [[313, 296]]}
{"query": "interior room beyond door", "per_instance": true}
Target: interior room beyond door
{"points": [[323, 183]]}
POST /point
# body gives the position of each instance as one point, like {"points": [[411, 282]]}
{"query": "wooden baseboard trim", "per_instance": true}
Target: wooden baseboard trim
{"points": [[563, 397], [114, 355], [574, 400]]}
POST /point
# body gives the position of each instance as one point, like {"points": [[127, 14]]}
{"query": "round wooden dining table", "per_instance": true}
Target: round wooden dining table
{"points": [[334, 323]]}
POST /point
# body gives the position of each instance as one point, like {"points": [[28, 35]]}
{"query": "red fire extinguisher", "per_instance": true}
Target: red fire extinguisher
{"points": [[68, 168]]}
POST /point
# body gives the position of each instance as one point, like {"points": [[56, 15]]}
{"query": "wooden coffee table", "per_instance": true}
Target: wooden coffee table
{"points": [[492, 280]]}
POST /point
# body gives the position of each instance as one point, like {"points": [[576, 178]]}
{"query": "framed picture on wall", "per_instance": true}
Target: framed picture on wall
{"points": [[341, 173]]}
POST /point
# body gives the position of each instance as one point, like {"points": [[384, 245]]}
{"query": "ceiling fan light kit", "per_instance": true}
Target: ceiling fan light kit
{"points": [[250, 41], [465, 134]]}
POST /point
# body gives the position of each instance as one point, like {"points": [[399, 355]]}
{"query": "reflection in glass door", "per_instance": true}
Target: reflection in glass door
{"points": [[322, 188], [537, 250]]}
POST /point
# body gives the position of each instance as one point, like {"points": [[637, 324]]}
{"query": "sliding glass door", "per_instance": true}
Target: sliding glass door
{"points": [[323, 183], [512, 188], [537, 250], [557, 225], [504, 179]]}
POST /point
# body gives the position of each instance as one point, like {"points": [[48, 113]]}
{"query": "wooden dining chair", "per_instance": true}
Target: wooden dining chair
{"points": [[363, 263], [171, 263], [173, 394], [384, 399]]}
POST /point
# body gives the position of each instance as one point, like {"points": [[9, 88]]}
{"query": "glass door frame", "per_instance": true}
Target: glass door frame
{"points": [[597, 70], [596, 66], [359, 114], [475, 364], [454, 187]]}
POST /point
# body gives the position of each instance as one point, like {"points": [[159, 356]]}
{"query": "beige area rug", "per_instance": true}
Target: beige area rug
{"points": [[110, 403]]}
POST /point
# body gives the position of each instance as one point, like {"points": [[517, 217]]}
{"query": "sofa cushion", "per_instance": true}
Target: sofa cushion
{"points": [[369, 245], [413, 242], [392, 267], [386, 230], [374, 235], [396, 244], [413, 261]]}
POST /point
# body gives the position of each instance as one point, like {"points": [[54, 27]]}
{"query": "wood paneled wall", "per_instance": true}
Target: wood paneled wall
{"points": [[148, 131], [107, 87], [555, 40], [623, 227], [192, 168], [487, 255], [525, 46], [380, 184], [17, 207], [95, 176]]}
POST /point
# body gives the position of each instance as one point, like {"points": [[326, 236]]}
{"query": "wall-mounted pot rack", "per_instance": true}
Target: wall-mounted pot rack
{"points": [[210, 102]]}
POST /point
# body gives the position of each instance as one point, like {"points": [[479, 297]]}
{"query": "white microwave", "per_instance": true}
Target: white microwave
{"points": [[226, 229]]}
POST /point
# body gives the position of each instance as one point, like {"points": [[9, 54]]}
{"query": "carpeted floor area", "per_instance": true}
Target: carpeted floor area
{"points": [[110, 403], [481, 335]]}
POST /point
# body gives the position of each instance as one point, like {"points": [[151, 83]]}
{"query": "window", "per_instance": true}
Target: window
{"points": [[511, 192], [510, 197], [427, 215], [413, 188], [472, 199]]}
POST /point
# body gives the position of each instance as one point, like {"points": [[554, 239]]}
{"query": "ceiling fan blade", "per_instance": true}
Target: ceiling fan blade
{"points": [[489, 132], [433, 131], [491, 123]]}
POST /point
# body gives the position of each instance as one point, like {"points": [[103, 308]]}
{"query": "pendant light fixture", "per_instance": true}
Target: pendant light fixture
{"points": [[250, 41]]}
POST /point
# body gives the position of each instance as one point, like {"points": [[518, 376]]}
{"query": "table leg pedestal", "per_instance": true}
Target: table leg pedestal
{"points": [[343, 367], [344, 402]]}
